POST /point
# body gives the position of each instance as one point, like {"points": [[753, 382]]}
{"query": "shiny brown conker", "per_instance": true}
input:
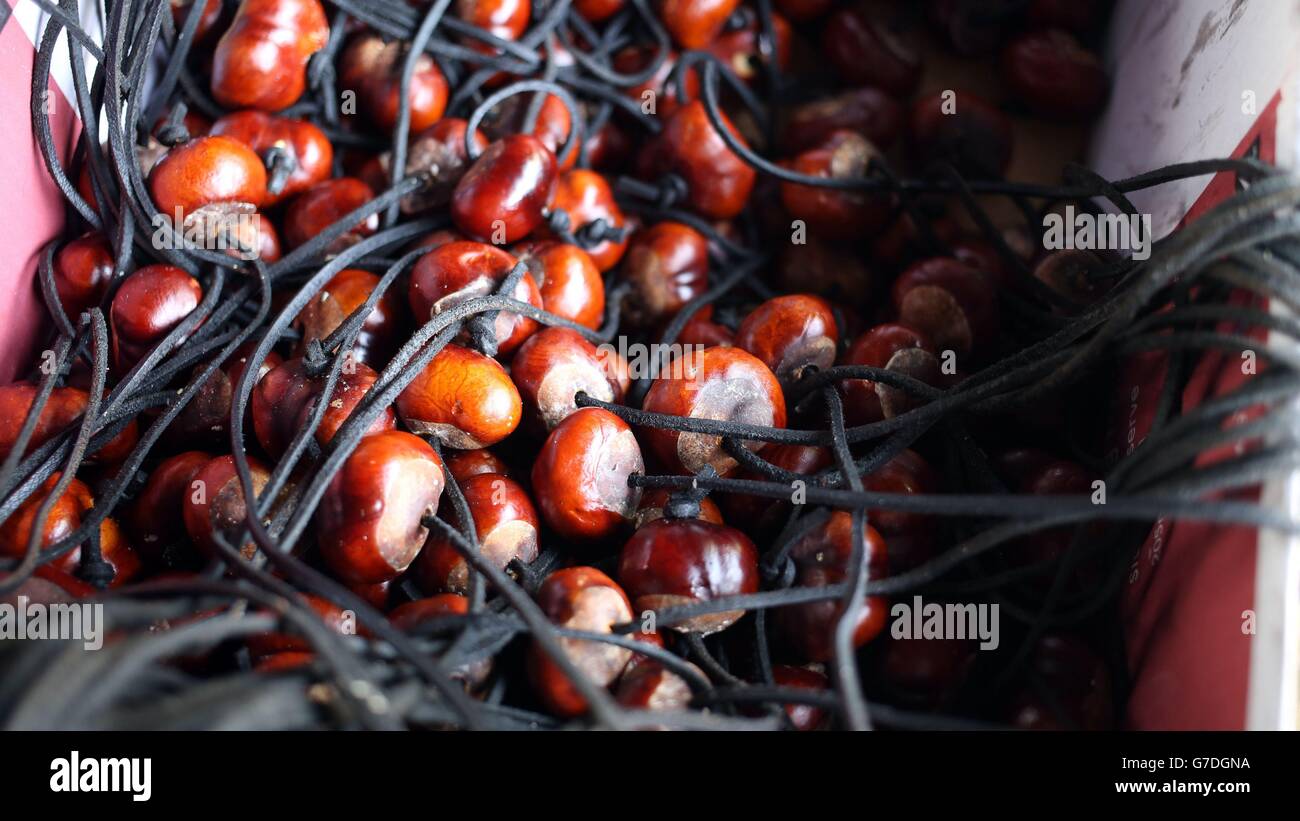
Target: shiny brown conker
{"points": [[369, 524], [506, 526], [675, 562], [462, 397], [722, 384], [580, 478]]}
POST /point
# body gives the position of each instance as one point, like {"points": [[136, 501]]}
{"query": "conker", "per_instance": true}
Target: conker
{"points": [[653, 639], [462, 397], [952, 304], [273, 645], [63, 519], [506, 525], [459, 271], [205, 421], [438, 152], [504, 193], [413, 615], [61, 411], [369, 524], [586, 197], [283, 401], [836, 213], [722, 384], [790, 335], [832, 270], [570, 283], [555, 365], [876, 46], [756, 514], [739, 49], [1055, 76], [307, 149], [282, 662], [215, 503], [377, 595], [324, 204], [821, 558], [673, 562], [803, 717], [718, 182], [580, 476], [506, 19], [82, 271], [910, 535], [973, 29], [654, 501], [893, 347], [975, 137], [868, 111], [694, 23], [667, 266], [552, 125], [579, 598], [1041, 474], [652, 686], [462, 464], [439, 238], [207, 172], [609, 148], [147, 306], [381, 333], [1073, 273], [701, 330], [261, 60], [157, 520], [597, 10], [657, 91], [373, 69]]}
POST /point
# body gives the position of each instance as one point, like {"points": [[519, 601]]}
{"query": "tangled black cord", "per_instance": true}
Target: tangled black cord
{"points": [[394, 679]]}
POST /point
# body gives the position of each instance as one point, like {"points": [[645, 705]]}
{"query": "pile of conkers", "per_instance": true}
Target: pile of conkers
{"points": [[611, 204]]}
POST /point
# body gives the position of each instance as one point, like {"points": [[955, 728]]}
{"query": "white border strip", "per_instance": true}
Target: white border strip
{"points": [[1273, 698]]}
